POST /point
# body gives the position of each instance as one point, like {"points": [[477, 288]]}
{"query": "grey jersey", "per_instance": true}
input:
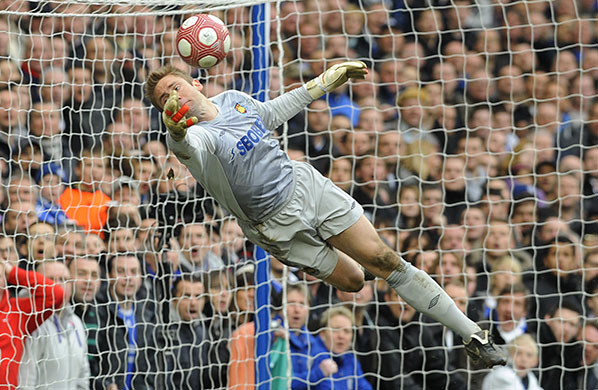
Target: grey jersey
{"points": [[234, 156]]}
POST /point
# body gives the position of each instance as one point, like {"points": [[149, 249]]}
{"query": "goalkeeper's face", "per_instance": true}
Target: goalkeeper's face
{"points": [[189, 94]]}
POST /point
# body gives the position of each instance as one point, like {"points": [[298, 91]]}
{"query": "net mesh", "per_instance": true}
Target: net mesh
{"points": [[470, 145]]}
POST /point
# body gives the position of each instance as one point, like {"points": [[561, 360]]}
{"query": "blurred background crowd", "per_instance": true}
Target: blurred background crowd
{"points": [[470, 145]]}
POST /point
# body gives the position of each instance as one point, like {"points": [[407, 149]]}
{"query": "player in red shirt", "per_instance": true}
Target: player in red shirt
{"points": [[19, 317]]}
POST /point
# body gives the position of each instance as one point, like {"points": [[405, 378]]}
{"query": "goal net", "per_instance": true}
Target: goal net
{"points": [[470, 145]]}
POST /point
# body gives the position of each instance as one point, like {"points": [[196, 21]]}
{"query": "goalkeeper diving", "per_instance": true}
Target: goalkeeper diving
{"points": [[288, 207]]}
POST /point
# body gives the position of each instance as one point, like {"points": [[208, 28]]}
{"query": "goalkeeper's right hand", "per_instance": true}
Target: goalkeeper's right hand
{"points": [[174, 117], [336, 76]]}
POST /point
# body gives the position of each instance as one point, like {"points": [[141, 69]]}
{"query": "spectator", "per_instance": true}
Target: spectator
{"points": [[55, 355], [559, 356], [320, 147], [412, 116], [219, 329], [187, 327], [453, 240], [524, 354], [505, 271], [126, 191], [51, 180], [371, 192], [452, 342], [432, 210], [36, 54], [119, 235], [471, 149], [335, 364], [55, 87], [524, 218], [118, 141], [28, 158], [453, 180], [449, 267], [570, 200], [301, 342], [366, 337], [39, 244], [126, 334], [590, 268], [588, 378], [12, 121], [508, 319], [555, 276], [85, 114], [146, 171], [8, 251], [499, 242], [85, 272], [70, 242], [474, 220], [18, 218], [45, 126], [21, 188], [409, 210], [234, 245], [195, 249], [22, 316], [135, 114], [406, 344], [546, 179], [552, 226], [242, 305], [93, 245], [86, 203]]}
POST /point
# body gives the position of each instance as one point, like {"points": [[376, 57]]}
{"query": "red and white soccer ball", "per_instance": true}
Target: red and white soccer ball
{"points": [[203, 41]]}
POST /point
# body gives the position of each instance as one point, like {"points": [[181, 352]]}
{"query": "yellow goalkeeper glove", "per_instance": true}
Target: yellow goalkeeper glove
{"points": [[174, 117], [336, 76]]}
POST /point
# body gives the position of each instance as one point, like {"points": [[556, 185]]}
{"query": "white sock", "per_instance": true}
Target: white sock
{"points": [[420, 291]]}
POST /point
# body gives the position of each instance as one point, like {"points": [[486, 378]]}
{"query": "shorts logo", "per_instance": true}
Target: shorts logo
{"points": [[434, 301], [240, 108]]}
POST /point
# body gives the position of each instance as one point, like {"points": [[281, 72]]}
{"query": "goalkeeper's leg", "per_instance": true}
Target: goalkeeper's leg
{"points": [[417, 288]]}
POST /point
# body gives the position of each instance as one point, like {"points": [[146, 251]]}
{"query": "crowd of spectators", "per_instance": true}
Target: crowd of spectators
{"points": [[470, 145]]}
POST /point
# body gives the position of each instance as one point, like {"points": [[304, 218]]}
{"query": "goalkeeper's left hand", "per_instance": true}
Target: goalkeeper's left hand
{"points": [[336, 76], [174, 117]]}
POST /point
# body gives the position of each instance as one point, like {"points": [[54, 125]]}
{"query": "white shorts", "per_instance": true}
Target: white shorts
{"points": [[296, 235]]}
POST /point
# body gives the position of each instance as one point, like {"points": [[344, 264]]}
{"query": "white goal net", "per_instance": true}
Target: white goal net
{"points": [[471, 146]]}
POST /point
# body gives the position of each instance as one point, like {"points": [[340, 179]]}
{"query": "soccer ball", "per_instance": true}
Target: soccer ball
{"points": [[203, 41]]}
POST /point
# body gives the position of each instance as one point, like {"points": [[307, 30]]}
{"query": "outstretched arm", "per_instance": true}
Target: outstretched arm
{"points": [[46, 296], [277, 111]]}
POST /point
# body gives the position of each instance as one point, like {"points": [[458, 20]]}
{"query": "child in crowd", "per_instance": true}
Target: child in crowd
{"points": [[518, 375], [51, 180]]}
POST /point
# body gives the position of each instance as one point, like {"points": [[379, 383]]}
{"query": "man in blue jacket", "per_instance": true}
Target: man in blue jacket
{"points": [[301, 342]]}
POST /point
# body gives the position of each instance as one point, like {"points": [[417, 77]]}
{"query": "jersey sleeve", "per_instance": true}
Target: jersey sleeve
{"points": [[46, 296], [196, 141], [279, 110]]}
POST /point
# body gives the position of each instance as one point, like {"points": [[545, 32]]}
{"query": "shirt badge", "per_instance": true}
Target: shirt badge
{"points": [[240, 108]]}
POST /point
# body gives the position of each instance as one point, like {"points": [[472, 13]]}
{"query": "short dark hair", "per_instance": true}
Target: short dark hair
{"points": [[568, 304], [517, 288], [190, 278], [213, 278], [112, 259]]}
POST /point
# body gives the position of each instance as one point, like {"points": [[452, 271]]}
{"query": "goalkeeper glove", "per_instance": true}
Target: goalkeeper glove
{"points": [[336, 76], [174, 117]]}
